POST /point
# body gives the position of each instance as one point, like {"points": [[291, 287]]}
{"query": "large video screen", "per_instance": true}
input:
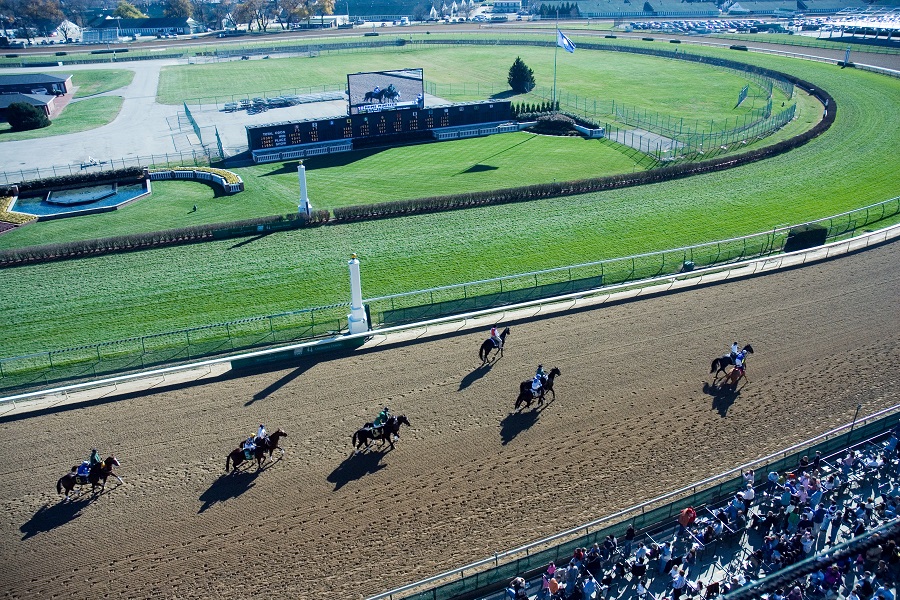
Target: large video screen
{"points": [[385, 90]]}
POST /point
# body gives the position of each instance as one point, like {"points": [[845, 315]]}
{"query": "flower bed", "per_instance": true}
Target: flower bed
{"points": [[12, 217], [230, 182]]}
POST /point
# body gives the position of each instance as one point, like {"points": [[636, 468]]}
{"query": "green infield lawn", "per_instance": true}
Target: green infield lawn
{"points": [[677, 89], [89, 113], [105, 298], [101, 80], [362, 177]]}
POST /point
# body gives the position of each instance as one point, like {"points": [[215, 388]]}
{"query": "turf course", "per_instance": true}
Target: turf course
{"points": [[84, 301]]}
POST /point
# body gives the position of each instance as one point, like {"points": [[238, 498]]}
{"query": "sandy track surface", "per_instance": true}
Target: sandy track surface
{"points": [[634, 418]]}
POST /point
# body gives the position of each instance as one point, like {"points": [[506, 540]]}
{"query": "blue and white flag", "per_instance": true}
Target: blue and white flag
{"points": [[563, 42]]}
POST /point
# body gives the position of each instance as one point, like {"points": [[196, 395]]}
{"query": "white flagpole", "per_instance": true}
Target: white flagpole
{"points": [[555, 52]]}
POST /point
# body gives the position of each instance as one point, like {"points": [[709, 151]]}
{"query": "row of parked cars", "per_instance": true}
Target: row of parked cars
{"points": [[710, 26]]}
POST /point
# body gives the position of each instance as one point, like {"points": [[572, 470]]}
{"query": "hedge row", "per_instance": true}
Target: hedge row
{"points": [[155, 239], [120, 175]]}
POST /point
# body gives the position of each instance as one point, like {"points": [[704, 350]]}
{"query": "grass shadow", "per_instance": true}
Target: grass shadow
{"points": [[227, 487], [51, 516], [356, 466], [340, 159]]}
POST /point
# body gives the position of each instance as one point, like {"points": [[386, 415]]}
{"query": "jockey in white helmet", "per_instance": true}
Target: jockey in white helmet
{"points": [[735, 349]]}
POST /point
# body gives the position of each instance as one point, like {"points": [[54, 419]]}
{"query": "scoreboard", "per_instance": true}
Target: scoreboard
{"points": [[370, 125]]}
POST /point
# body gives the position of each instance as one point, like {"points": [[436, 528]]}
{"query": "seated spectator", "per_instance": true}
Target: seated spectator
{"points": [[795, 594], [883, 593], [833, 578], [638, 569]]}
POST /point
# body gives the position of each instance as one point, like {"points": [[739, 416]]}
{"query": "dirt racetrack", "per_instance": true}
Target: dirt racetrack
{"points": [[633, 418]]}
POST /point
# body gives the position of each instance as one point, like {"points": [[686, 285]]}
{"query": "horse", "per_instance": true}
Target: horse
{"points": [[489, 344], [390, 94], [719, 364], [237, 456], [97, 477], [370, 96], [367, 434], [527, 395], [735, 375]]}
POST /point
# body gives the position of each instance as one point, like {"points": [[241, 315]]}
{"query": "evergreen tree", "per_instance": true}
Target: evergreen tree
{"points": [[521, 78], [22, 116]]}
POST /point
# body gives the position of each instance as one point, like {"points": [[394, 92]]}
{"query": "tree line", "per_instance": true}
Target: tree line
{"points": [[31, 18]]}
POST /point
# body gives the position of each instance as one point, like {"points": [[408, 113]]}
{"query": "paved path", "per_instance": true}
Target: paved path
{"points": [[142, 127]]}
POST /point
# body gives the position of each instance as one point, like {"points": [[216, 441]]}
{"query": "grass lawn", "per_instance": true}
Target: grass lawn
{"points": [[89, 113], [105, 298], [361, 177], [101, 80], [667, 87]]}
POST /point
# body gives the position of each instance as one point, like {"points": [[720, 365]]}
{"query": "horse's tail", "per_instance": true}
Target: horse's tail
{"points": [[482, 352], [355, 434], [227, 460], [712, 368], [59, 486]]}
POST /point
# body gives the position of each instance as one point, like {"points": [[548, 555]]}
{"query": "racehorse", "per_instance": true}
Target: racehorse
{"points": [[735, 375], [527, 395], [97, 477], [370, 96], [390, 94], [719, 364], [367, 434], [489, 344], [237, 456]]}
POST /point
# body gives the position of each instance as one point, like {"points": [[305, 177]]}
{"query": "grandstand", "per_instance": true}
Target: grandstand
{"points": [[725, 551]]}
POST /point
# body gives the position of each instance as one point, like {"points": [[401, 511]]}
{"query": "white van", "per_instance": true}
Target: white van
{"points": [[404, 21]]}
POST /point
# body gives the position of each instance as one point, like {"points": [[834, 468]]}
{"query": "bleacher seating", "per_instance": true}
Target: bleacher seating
{"points": [[723, 547]]}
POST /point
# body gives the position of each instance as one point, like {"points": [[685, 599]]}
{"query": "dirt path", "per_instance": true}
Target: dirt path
{"points": [[632, 420]]}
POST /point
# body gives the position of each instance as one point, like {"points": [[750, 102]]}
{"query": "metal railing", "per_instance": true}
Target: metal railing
{"points": [[170, 159], [511, 289], [132, 354], [646, 515]]}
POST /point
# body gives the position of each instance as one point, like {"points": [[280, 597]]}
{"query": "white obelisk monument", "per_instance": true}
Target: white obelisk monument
{"points": [[304, 206], [357, 317]]}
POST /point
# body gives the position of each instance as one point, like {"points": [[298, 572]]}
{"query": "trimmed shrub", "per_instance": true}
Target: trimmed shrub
{"points": [[738, 47], [555, 124], [24, 117], [130, 174]]}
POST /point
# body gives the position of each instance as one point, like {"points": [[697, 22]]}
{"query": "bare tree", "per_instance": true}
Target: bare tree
{"points": [[68, 29]]}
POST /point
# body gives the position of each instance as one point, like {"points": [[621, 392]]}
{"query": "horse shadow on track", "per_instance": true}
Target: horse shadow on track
{"points": [[474, 375], [228, 487], [515, 423], [51, 516], [356, 466], [723, 396]]}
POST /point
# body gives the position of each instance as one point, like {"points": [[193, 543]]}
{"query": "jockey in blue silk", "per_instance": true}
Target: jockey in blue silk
{"points": [[498, 341], [382, 417], [739, 361], [377, 90], [539, 377]]}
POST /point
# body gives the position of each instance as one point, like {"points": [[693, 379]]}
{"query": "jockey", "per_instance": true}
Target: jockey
{"points": [[95, 458], [541, 374], [739, 362], [261, 434], [382, 418], [377, 90], [735, 349], [536, 384], [498, 341]]}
